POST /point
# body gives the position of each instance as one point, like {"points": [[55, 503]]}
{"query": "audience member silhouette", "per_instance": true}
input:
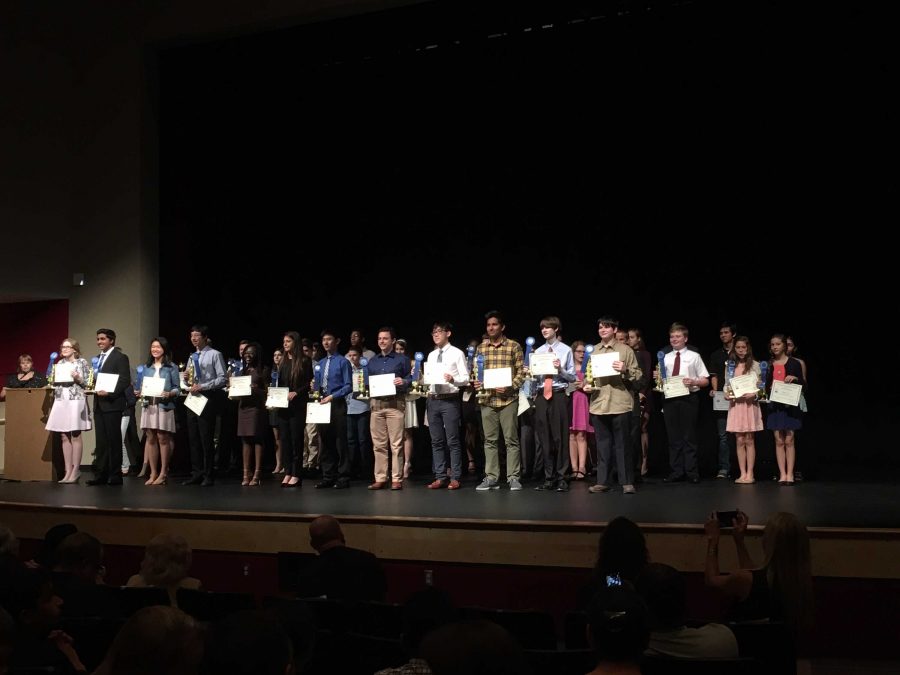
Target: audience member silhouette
{"points": [[249, 643], [339, 572], [423, 612], [618, 631], [664, 591], [473, 648], [166, 563]]}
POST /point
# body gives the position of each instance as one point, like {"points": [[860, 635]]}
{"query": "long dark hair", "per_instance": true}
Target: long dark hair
{"points": [[748, 361], [296, 357], [167, 353], [622, 550]]}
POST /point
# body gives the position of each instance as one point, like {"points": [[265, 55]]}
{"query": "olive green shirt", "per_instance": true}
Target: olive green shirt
{"points": [[611, 395]]}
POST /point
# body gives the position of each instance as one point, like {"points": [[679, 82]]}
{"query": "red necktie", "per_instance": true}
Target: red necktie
{"points": [[677, 369], [548, 383]]}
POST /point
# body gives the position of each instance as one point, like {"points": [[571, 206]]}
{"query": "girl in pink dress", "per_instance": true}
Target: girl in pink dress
{"points": [[744, 416], [580, 424]]}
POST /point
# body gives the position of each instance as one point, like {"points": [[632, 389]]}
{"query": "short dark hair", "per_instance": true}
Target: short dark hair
{"points": [[495, 314], [442, 325], [388, 329], [608, 320], [108, 332], [551, 322], [200, 328], [328, 331], [730, 325], [354, 349]]}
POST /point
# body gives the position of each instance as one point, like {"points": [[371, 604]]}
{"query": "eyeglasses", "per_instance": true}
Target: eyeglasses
{"points": [[438, 331], [66, 347]]}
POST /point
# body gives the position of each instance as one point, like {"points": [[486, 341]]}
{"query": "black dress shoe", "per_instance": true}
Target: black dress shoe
{"points": [[207, 482], [546, 485], [115, 480], [342, 485], [562, 486], [193, 480], [674, 478], [325, 484], [99, 480]]}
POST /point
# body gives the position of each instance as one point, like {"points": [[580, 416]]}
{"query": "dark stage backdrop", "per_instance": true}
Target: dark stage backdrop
{"points": [[657, 161]]}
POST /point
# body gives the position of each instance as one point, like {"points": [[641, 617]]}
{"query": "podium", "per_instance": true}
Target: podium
{"points": [[30, 451]]}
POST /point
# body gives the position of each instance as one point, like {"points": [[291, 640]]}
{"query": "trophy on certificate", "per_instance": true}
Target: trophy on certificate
{"points": [[587, 369], [528, 385], [482, 394], [53, 357], [316, 392], [274, 377], [193, 368], [92, 371], [363, 374], [763, 369], [730, 365], [139, 383], [235, 368], [660, 370], [418, 386]]}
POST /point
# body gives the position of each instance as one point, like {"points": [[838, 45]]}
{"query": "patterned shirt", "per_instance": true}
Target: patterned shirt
{"points": [[508, 354], [413, 667]]}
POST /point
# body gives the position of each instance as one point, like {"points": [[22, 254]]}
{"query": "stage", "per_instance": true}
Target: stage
{"points": [[855, 526]]}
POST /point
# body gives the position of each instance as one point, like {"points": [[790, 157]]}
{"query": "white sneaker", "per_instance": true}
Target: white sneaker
{"points": [[514, 484], [489, 484]]}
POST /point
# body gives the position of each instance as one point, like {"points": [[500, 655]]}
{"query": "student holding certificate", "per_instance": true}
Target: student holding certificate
{"points": [[389, 378], [680, 411], [336, 385], [612, 403], [252, 418], [551, 406], [716, 364], [69, 415], [504, 372], [783, 420], [113, 378], [295, 373], [158, 393], [744, 416]]}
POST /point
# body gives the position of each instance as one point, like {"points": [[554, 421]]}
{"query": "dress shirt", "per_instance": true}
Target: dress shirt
{"points": [[339, 383], [455, 362], [566, 372], [394, 364], [212, 369], [507, 354], [612, 395], [692, 365]]}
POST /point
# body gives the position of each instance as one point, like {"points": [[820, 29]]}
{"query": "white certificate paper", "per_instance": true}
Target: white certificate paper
{"points": [[239, 386], [277, 397], [542, 364], [744, 384], [789, 394], [106, 382], [318, 413], [601, 364], [495, 378], [434, 373], [195, 403], [382, 385], [152, 386], [62, 373], [674, 387], [721, 402], [524, 403]]}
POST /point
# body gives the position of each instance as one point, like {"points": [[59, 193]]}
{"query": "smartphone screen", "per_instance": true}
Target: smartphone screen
{"points": [[613, 580]]}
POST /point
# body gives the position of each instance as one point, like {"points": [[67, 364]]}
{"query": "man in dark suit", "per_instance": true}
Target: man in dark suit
{"points": [[339, 572], [108, 409]]}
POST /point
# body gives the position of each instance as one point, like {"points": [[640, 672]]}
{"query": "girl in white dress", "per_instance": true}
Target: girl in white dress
{"points": [[70, 414]]}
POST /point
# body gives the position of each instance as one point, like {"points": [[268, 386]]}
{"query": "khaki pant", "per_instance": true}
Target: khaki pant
{"points": [[311, 447], [386, 426], [493, 420]]}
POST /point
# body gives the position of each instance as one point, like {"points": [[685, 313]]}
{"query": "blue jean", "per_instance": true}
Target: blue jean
{"points": [[443, 424]]}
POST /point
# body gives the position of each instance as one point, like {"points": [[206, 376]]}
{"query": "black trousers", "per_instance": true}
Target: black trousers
{"points": [[613, 436], [681, 428], [359, 443], [334, 457], [108, 433], [443, 424], [291, 426], [201, 435], [551, 425]]}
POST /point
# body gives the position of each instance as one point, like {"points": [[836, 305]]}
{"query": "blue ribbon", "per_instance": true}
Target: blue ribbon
{"points": [[195, 357], [317, 377], [363, 363], [140, 377], [417, 365], [479, 365], [53, 357], [661, 358], [588, 350]]}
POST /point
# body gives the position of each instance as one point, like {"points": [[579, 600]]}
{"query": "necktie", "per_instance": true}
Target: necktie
{"points": [[677, 369], [548, 382], [100, 362], [440, 356], [325, 375]]}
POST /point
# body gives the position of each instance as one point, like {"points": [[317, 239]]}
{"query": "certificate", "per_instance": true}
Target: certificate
{"points": [[318, 413], [62, 372], [195, 403], [542, 364], [601, 364], [239, 386], [674, 387], [434, 373], [277, 397], [495, 378], [524, 403], [782, 392], [152, 386], [721, 402], [106, 382], [744, 384], [382, 385]]}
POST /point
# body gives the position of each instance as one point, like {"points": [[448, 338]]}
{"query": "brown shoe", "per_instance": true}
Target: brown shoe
{"points": [[453, 485], [437, 485], [396, 485], [377, 485], [598, 488]]}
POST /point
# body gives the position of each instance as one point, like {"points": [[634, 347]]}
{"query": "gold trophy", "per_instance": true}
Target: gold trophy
{"points": [[478, 375], [660, 367], [315, 394], [588, 370]]}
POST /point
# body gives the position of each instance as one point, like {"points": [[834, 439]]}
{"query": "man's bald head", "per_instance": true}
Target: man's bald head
{"points": [[325, 532]]}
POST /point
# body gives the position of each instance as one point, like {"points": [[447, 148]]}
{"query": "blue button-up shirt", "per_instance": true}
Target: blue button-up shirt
{"points": [[339, 383], [566, 372], [393, 363], [212, 369]]}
